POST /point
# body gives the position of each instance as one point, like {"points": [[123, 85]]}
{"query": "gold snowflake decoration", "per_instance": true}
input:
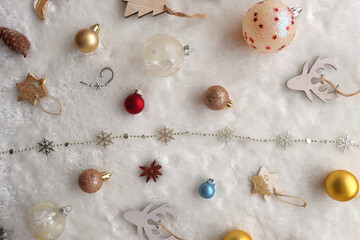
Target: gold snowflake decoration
{"points": [[103, 139], [165, 135]]}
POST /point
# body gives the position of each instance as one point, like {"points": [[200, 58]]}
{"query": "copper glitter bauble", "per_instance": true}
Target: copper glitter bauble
{"points": [[217, 98], [341, 185], [90, 180], [269, 26]]}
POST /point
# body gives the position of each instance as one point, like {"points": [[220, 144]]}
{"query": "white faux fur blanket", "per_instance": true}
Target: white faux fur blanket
{"points": [[263, 108]]}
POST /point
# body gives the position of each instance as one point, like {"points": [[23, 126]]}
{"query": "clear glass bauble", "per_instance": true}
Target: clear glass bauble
{"points": [[163, 56], [45, 222]]}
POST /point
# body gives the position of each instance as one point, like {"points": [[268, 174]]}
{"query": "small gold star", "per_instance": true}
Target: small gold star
{"points": [[32, 89], [260, 187], [264, 183]]}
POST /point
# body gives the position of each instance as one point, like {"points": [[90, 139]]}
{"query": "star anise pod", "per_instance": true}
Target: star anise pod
{"points": [[151, 172]]}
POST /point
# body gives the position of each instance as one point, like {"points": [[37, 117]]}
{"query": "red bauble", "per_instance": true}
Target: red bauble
{"points": [[134, 103]]}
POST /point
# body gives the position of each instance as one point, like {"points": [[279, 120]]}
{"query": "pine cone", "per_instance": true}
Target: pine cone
{"points": [[15, 40]]}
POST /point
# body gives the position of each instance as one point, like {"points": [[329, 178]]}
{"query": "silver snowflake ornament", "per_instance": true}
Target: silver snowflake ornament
{"points": [[286, 140], [226, 135], [99, 85], [165, 135], [46, 146], [345, 143], [103, 139]]}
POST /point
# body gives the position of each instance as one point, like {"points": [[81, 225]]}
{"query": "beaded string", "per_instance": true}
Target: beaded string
{"points": [[167, 135]]}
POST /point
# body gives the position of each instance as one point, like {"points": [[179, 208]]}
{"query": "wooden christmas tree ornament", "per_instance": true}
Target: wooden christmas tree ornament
{"points": [[144, 7]]}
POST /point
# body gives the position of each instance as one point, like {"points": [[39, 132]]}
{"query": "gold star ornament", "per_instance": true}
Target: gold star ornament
{"points": [[32, 89], [264, 183]]}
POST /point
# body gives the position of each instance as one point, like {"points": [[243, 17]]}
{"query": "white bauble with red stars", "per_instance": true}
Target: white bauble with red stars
{"points": [[269, 26]]}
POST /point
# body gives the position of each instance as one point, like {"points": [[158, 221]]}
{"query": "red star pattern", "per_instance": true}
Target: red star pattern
{"points": [[276, 18]]}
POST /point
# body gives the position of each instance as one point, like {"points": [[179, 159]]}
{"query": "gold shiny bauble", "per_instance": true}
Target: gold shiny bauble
{"points": [[237, 235], [86, 40], [269, 26], [341, 185]]}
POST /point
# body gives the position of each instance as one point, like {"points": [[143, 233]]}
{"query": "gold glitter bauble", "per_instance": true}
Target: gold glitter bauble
{"points": [[237, 235], [269, 26], [341, 185], [217, 98], [87, 40]]}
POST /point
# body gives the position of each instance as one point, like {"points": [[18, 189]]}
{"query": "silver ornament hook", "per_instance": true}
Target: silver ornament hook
{"points": [[65, 210], [211, 181], [188, 50], [296, 11], [100, 85]]}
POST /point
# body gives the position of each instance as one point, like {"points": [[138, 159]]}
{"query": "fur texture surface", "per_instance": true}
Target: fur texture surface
{"points": [[263, 108]]}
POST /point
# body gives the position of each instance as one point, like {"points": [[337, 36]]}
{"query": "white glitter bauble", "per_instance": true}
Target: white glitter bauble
{"points": [[269, 26]]}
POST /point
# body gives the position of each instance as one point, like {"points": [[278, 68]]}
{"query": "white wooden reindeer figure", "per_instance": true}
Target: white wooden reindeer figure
{"points": [[147, 221], [303, 82]]}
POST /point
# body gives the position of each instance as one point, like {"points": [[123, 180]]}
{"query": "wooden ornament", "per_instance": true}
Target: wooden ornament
{"points": [[304, 82], [144, 7], [32, 89], [264, 184], [149, 221], [40, 6]]}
